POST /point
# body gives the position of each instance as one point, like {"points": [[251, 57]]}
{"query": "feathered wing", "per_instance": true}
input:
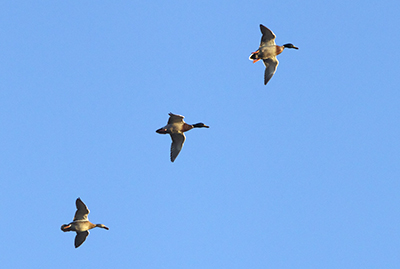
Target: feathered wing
{"points": [[268, 37], [80, 238], [270, 67], [81, 210], [177, 143], [173, 118]]}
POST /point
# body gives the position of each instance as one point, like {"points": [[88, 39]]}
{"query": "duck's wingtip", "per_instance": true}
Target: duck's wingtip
{"points": [[175, 115]]}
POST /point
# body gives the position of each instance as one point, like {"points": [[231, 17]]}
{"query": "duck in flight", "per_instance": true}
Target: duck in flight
{"points": [[81, 224], [176, 128], [268, 51]]}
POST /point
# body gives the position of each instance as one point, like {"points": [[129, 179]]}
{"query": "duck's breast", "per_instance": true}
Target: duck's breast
{"points": [[186, 127], [278, 49]]}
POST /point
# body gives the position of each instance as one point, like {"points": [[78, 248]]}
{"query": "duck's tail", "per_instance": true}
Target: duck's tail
{"points": [[254, 57]]}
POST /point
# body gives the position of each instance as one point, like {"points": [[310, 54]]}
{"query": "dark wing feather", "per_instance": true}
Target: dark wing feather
{"points": [[270, 67], [177, 143], [80, 238], [268, 37], [81, 210]]}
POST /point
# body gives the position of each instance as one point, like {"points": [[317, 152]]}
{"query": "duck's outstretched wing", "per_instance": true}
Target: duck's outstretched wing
{"points": [[173, 118], [82, 211], [177, 143], [268, 37], [80, 238], [270, 67]]}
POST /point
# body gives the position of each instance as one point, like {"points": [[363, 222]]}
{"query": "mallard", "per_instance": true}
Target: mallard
{"points": [[176, 128], [81, 225], [268, 51]]}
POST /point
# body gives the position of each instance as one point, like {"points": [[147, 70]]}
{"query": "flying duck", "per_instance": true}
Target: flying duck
{"points": [[268, 51], [81, 225], [176, 128]]}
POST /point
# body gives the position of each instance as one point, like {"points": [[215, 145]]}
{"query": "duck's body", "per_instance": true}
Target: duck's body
{"points": [[81, 225], [268, 51], [176, 127]]}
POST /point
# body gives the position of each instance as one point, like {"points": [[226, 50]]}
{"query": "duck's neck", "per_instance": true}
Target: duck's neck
{"points": [[186, 127]]}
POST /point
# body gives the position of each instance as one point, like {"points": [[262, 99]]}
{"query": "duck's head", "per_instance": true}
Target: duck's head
{"points": [[200, 125], [66, 227], [290, 46], [162, 131], [102, 226]]}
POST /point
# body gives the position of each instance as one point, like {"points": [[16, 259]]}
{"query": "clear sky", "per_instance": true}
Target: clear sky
{"points": [[301, 173]]}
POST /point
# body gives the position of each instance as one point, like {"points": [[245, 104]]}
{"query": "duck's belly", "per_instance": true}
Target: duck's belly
{"points": [[81, 226], [175, 129], [270, 51]]}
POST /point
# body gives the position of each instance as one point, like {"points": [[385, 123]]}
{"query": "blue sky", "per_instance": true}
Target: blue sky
{"points": [[301, 173]]}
